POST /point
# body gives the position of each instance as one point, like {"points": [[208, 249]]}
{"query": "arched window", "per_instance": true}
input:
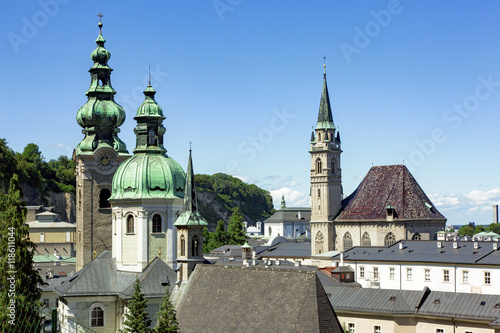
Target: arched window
{"points": [[156, 223], [194, 246], [183, 246], [416, 236], [347, 241], [333, 165], [103, 198], [151, 137], [130, 224], [319, 242], [389, 239], [365, 240], [318, 166], [96, 315]]}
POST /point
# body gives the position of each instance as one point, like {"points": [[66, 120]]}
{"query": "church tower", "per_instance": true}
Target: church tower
{"points": [[189, 226], [326, 180], [97, 156], [148, 191]]}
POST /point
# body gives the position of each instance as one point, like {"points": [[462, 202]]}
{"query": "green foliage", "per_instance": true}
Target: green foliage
{"points": [[213, 240], [466, 230], [230, 192], [55, 175], [494, 227], [17, 270], [167, 320], [478, 229], [235, 230], [137, 319]]}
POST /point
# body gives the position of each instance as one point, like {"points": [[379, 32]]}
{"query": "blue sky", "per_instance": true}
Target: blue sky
{"points": [[417, 81]]}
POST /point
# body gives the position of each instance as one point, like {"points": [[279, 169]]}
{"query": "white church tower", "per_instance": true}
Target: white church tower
{"points": [[326, 180], [148, 191]]}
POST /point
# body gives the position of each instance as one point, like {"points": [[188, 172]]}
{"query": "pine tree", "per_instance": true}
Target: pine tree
{"points": [[18, 277], [235, 231], [137, 319], [167, 321]]}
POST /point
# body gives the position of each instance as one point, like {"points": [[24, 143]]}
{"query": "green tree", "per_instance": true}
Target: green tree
{"points": [[466, 230], [235, 230], [217, 238], [19, 280], [7, 164], [479, 228], [137, 319], [495, 227], [167, 320]]}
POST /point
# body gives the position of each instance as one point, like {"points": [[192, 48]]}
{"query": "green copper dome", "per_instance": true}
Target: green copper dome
{"points": [[101, 116], [147, 176]]}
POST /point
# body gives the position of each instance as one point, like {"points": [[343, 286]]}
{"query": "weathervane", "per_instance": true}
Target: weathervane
{"points": [[324, 64]]}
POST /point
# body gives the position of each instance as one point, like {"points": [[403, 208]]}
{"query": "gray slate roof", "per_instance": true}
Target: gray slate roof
{"points": [[426, 251], [466, 306], [233, 299], [100, 277], [288, 250], [290, 215]]}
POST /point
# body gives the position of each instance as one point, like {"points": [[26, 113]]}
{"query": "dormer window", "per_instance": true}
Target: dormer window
{"points": [[390, 212]]}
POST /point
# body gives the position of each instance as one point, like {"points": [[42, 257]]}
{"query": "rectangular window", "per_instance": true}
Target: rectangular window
{"points": [[446, 275], [487, 278], [391, 273], [427, 275], [465, 277], [68, 236], [377, 329], [351, 328], [362, 272], [42, 237], [46, 303], [375, 272], [409, 273], [439, 330]]}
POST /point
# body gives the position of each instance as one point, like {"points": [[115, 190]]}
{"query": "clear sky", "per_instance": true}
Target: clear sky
{"points": [[412, 81]]}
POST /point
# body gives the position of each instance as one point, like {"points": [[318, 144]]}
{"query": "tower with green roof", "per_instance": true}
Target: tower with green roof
{"points": [[147, 195], [97, 156], [326, 180], [189, 226]]}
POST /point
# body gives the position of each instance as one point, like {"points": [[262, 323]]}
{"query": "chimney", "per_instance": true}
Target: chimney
{"points": [[439, 245], [259, 226], [245, 224], [495, 213], [341, 258], [455, 245], [401, 245], [297, 263], [495, 246], [300, 216], [476, 245]]}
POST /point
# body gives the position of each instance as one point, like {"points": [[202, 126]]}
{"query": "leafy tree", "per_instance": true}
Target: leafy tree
{"points": [[7, 164], [495, 227], [137, 319], [479, 228], [217, 238], [19, 280], [235, 229], [466, 230], [167, 320]]}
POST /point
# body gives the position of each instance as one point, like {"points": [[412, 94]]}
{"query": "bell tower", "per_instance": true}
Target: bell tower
{"points": [[326, 180], [97, 156]]}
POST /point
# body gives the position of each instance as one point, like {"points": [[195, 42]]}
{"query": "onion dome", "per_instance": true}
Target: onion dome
{"points": [[150, 173], [101, 116]]}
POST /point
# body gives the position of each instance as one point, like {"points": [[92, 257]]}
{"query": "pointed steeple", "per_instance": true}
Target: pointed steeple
{"points": [[101, 116], [283, 204], [313, 139], [190, 214], [325, 118]]}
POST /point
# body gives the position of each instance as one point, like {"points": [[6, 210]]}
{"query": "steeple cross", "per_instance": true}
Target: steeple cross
{"points": [[324, 60], [100, 16], [190, 145]]}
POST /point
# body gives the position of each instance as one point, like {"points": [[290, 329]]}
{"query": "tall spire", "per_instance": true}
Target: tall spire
{"points": [[190, 214], [325, 118], [283, 204], [101, 116]]}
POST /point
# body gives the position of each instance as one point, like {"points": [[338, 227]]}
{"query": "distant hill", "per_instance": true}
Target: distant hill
{"points": [[53, 184]]}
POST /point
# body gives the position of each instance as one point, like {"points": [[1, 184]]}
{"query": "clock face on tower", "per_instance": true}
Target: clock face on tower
{"points": [[105, 161]]}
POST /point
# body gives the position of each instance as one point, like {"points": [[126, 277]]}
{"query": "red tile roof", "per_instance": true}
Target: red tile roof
{"points": [[388, 185]]}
